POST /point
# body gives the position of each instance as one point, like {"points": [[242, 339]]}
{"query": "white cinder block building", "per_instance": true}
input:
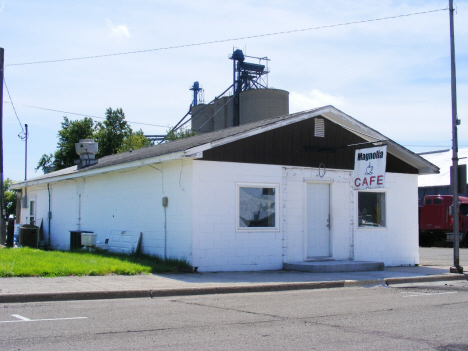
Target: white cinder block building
{"points": [[251, 197]]}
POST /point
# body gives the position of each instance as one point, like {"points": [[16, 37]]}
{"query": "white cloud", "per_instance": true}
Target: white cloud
{"points": [[314, 98], [118, 31], [2, 6]]}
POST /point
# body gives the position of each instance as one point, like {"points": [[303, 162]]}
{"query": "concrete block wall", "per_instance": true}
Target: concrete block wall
{"points": [[294, 210], [217, 244], [398, 243], [64, 206], [202, 218], [342, 216], [126, 200]]}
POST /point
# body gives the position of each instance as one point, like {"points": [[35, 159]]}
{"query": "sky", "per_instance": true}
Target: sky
{"points": [[393, 75]]}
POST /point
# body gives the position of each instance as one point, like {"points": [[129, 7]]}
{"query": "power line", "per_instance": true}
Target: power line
{"points": [[226, 40], [449, 146], [80, 114], [14, 109]]}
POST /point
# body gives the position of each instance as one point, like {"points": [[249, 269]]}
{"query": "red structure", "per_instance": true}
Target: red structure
{"points": [[436, 220]]}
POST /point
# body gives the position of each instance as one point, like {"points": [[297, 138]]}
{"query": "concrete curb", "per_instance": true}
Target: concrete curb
{"points": [[79, 295], [248, 288], [425, 279], [364, 283], [126, 294]]}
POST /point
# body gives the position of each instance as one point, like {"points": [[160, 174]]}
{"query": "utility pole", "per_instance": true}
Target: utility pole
{"points": [[26, 153], [454, 179], [2, 201]]}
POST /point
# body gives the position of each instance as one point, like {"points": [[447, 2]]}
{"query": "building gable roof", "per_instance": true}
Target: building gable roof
{"points": [[194, 146]]}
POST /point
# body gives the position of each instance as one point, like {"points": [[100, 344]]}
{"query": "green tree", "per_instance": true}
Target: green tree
{"points": [[111, 133], [9, 198], [71, 133], [46, 163], [180, 133], [135, 140]]}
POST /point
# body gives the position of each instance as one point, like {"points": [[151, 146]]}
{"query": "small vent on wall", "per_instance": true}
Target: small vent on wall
{"points": [[319, 128]]}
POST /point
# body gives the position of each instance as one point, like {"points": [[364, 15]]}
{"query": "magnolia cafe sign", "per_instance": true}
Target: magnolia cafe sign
{"points": [[369, 168]]}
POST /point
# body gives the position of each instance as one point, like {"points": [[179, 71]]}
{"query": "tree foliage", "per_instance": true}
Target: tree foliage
{"points": [[9, 198], [180, 133], [65, 155], [113, 135], [134, 141], [46, 163], [71, 133]]}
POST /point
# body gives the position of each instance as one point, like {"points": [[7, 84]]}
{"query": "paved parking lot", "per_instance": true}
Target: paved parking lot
{"points": [[441, 257]]}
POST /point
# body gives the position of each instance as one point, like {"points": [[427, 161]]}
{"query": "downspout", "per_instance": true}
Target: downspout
{"points": [[165, 234], [49, 214], [79, 212], [165, 203]]}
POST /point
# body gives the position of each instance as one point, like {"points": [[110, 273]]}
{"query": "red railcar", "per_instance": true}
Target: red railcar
{"points": [[436, 220]]}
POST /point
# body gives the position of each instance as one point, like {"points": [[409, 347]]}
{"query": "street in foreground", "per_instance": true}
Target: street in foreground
{"points": [[427, 316]]}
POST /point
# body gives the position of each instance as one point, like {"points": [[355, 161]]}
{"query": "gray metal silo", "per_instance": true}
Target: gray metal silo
{"points": [[251, 100], [258, 104], [201, 115], [225, 117]]}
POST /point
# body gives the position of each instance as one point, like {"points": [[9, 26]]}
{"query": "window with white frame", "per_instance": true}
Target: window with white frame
{"points": [[372, 212], [257, 207]]}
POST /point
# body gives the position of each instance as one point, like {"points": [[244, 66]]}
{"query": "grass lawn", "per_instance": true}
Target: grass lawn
{"points": [[27, 262]]}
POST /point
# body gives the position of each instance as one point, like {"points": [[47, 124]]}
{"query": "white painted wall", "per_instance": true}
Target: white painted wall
{"points": [[129, 200], [294, 206], [217, 245], [395, 245], [201, 216], [398, 244]]}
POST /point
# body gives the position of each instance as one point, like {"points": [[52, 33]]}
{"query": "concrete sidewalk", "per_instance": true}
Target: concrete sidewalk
{"points": [[116, 286]]}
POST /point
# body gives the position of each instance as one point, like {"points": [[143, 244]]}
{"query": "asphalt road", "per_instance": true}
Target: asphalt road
{"points": [[428, 316]]}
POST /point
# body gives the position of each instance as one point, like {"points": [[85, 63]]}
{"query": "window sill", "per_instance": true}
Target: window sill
{"points": [[256, 230], [372, 228]]}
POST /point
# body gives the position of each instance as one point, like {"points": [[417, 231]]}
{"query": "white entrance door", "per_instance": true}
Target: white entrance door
{"points": [[318, 220]]}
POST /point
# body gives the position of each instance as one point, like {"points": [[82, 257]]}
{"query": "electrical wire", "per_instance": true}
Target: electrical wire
{"points": [[446, 146], [162, 177], [14, 109], [80, 114], [227, 40]]}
